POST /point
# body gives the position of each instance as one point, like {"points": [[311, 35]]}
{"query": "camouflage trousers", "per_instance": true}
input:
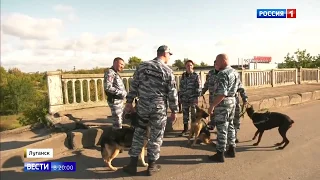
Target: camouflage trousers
{"points": [[179, 103], [154, 114], [188, 107], [236, 120], [223, 116], [117, 112], [212, 122]]}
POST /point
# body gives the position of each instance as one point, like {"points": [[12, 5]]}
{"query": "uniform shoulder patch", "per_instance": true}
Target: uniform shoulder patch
{"points": [[110, 78], [110, 75]]}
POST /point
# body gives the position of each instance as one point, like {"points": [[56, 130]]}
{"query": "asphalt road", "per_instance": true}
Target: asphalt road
{"points": [[300, 159]]}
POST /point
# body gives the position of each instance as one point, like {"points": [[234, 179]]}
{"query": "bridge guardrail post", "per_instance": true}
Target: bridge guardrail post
{"points": [[54, 91]]}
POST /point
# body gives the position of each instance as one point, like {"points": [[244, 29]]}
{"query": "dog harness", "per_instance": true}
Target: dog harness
{"points": [[264, 120]]}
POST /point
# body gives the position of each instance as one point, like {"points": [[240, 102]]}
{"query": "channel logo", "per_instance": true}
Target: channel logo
{"points": [[276, 13], [50, 166]]}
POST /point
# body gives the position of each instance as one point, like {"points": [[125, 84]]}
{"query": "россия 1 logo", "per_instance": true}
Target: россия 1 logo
{"points": [[276, 13]]}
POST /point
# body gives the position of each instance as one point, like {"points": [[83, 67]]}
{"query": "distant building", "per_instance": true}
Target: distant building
{"points": [[262, 66], [258, 63]]}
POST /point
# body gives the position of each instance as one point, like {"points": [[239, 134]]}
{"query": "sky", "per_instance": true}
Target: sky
{"points": [[39, 35]]}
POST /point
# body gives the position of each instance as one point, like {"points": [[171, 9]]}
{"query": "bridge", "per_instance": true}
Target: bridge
{"points": [[77, 91], [79, 99]]}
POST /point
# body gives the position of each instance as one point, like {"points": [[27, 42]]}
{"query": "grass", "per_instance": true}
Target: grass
{"points": [[9, 122]]}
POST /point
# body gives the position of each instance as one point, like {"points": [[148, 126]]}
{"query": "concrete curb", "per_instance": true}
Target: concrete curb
{"points": [[58, 142], [283, 101], [21, 129], [86, 137]]}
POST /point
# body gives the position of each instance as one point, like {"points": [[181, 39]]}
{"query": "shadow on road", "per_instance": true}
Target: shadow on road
{"points": [[255, 148], [12, 141], [168, 160], [15, 144]]}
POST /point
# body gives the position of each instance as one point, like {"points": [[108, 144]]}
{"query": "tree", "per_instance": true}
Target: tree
{"points": [[24, 93], [15, 71], [178, 63], [203, 64], [300, 59], [17, 95], [133, 62], [317, 60]]}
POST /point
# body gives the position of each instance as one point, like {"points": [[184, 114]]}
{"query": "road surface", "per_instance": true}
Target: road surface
{"points": [[300, 159]]}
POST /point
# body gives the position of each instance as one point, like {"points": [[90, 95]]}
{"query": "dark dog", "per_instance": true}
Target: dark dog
{"points": [[199, 127], [269, 120], [114, 142]]}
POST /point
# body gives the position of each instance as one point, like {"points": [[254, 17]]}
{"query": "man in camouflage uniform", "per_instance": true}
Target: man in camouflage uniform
{"points": [[115, 91], [224, 107], [154, 84], [211, 85], [190, 89], [244, 97]]}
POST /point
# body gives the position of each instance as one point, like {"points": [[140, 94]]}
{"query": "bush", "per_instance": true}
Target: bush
{"points": [[36, 113], [25, 94], [17, 94]]}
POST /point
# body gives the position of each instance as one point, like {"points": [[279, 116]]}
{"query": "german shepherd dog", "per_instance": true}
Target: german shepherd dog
{"points": [[199, 127], [113, 143], [269, 120]]}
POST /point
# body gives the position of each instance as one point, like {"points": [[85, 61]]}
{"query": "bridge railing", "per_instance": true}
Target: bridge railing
{"points": [[77, 91]]}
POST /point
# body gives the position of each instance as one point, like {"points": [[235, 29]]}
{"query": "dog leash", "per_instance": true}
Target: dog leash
{"points": [[204, 122], [204, 102], [243, 109]]}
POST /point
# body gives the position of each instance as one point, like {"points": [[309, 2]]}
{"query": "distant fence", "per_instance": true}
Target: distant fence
{"points": [[76, 91]]}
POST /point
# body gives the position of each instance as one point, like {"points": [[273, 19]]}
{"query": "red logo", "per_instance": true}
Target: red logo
{"points": [[262, 59], [291, 13]]}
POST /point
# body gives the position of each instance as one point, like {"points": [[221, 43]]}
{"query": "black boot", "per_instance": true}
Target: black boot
{"points": [[237, 140], [218, 157], [131, 168], [231, 151], [211, 125], [153, 168], [185, 130]]}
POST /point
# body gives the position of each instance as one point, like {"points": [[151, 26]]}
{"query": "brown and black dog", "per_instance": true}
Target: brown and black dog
{"points": [[114, 142], [199, 127], [269, 120]]}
